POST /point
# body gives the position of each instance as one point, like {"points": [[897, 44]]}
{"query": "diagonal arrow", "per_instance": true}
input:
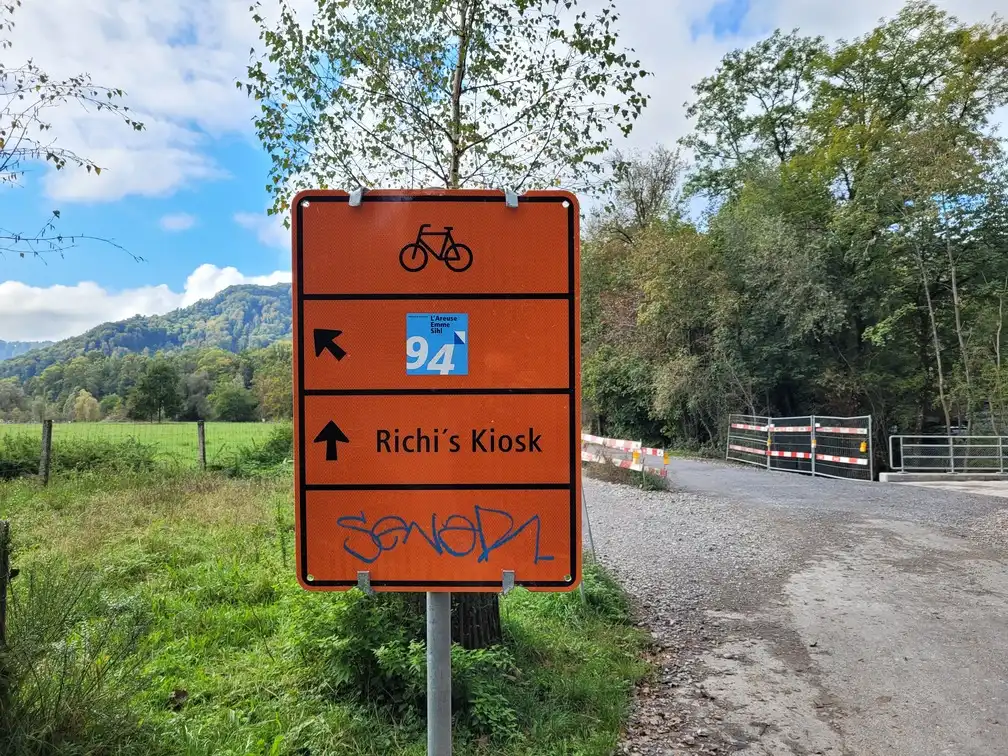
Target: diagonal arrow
{"points": [[331, 434], [326, 339]]}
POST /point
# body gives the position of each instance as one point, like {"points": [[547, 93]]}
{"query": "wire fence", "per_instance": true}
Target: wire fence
{"points": [[170, 444], [830, 447]]}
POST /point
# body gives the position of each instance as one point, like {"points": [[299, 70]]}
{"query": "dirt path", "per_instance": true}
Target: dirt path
{"points": [[798, 616]]}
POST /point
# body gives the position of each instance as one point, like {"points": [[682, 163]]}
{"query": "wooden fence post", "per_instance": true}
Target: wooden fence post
{"points": [[46, 458], [201, 441], [4, 577]]}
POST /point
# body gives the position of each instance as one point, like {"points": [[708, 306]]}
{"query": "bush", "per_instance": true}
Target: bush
{"points": [[20, 454], [371, 650], [66, 678], [272, 456], [87, 454]]}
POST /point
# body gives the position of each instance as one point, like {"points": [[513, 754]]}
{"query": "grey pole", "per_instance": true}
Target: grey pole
{"points": [[439, 737]]}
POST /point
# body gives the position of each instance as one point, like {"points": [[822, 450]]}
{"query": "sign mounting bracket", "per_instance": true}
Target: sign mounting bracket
{"points": [[364, 581], [507, 582]]}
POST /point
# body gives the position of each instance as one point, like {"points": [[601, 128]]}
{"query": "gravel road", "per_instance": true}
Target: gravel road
{"points": [[808, 616]]}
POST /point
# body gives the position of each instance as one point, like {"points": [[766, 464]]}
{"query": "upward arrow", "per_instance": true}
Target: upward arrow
{"points": [[331, 434], [326, 339]]}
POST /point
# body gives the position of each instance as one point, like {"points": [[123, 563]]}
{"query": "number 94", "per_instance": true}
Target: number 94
{"points": [[417, 350]]}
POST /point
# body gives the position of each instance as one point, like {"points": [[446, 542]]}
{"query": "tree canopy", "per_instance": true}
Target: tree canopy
{"points": [[453, 93], [855, 256]]}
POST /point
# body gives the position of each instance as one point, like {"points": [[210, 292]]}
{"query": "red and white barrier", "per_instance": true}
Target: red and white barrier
{"points": [[851, 431], [611, 443], [790, 428], [636, 448], [842, 460], [745, 426], [791, 454], [747, 449]]}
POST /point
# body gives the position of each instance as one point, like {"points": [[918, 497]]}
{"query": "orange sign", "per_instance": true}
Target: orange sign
{"points": [[437, 390]]}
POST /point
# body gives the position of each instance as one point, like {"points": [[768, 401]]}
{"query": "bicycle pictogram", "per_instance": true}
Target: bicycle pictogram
{"points": [[413, 257]]}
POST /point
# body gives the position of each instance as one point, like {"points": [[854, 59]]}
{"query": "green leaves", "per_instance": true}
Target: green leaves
{"points": [[412, 93]]}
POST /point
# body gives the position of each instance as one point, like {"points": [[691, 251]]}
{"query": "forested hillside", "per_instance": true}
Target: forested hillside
{"points": [[854, 261], [10, 349], [238, 318], [187, 384]]}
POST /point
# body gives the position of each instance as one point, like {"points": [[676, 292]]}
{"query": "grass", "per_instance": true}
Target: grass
{"points": [[236, 659], [174, 443]]}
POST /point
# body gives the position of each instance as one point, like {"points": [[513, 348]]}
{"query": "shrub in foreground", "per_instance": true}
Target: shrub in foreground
{"points": [[67, 678], [269, 457], [371, 650], [20, 454]]}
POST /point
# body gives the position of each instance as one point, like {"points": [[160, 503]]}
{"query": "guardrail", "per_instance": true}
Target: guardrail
{"points": [[948, 454]]}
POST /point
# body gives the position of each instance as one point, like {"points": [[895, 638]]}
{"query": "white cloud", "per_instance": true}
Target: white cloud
{"points": [[177, 222], [57, 312], [269, 229], [185, 56], [183, 59]]}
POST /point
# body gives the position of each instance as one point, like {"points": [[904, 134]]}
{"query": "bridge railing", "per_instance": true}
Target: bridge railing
{"points": [[948, 454]]}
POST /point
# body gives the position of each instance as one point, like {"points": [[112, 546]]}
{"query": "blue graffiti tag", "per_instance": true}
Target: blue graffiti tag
{"points": [[458, 535]]}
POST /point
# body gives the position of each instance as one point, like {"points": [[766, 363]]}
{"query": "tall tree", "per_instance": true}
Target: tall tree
{"points": [[27, 94], [454, 93], [157, 393], [752, 109]]}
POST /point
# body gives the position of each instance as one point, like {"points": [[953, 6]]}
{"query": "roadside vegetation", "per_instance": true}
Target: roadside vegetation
{"points": [[156, 612]]}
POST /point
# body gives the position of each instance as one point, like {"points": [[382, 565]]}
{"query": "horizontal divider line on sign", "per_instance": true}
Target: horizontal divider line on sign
{"points": [[438, 486], [791, 429], [791, 454], [431, 297], [842, 460], [744, 426], [437, 391], [748, 449], [853, 431]]}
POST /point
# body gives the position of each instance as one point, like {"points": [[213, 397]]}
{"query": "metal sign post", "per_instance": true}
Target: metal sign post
{"points": [[439, 714]]}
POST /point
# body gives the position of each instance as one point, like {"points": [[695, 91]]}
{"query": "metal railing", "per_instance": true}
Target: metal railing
{"points": [[948, 454], [829, 447]]}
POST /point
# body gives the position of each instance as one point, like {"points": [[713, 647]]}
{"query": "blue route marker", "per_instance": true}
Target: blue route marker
{"points": [[437, 343]]}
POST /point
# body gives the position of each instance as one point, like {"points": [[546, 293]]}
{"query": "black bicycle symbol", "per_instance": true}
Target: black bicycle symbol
{"points": [[456, 256]]}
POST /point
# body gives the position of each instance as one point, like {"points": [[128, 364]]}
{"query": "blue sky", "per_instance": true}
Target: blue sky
{"points": [[214, 237], [724, 19], [188, 194]]}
